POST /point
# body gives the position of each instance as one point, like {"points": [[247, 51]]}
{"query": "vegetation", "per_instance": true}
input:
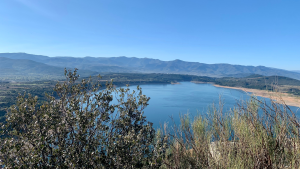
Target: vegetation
{"points": [[81, 128], [258, 82], [271, 83], [9, 91], [138, 78], [254, 135]]}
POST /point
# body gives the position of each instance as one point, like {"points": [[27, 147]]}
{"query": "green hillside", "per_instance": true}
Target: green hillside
{"points": [[257, 81], [279, 83]]}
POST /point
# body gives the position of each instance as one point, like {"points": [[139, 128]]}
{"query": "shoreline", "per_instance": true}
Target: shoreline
{"points": [[282, 97]]}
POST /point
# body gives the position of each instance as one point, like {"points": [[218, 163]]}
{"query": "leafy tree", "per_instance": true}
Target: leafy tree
{"points": [[81, 128]]}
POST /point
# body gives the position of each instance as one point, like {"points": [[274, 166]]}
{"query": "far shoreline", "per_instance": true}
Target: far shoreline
{"points": [[285, 97]]}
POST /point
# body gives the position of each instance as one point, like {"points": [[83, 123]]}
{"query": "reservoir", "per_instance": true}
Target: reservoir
{"points": [[171, 100]]}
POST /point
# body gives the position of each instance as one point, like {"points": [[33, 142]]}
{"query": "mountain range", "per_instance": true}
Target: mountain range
{"points": [[29, 63]]}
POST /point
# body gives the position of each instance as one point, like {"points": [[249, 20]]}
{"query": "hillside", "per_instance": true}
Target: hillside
{"points": [[280, 83], [27, 70], [146, 65]]}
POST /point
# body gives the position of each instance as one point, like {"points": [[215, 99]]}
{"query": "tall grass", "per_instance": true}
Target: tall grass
{"points": [[253, 135]]}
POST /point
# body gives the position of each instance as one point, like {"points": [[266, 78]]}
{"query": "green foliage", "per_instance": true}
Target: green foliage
{"points": [[258, 82], [81, 128], [154, 78]]}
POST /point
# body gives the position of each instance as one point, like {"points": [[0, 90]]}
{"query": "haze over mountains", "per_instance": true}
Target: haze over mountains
{"points": [[298, 71], [23, 63]]}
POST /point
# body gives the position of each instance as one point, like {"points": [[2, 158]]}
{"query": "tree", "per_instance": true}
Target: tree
{"points": [[81, 128]]}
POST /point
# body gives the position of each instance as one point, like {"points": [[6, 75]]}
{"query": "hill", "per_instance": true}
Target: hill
{"points": [[147, 65], [27, 70], [279, 83]]}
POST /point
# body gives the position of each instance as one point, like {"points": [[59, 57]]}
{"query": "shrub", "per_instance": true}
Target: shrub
{"points": [[253, 135], [81, 128]]}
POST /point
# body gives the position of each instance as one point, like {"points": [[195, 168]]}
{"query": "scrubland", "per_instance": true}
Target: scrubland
{"points": [[81, 128], [253, 135]]}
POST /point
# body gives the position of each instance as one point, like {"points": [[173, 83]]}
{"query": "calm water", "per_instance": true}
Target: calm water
{"points": [[171, 100]]}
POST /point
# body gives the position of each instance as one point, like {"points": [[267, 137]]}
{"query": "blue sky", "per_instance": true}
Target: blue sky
{"points": [[246, 32]]}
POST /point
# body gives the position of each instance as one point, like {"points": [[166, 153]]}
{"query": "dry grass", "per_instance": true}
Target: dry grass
{"points": [[253, 135]]}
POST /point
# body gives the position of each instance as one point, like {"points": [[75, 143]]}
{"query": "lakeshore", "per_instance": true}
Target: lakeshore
{"points": [[281, 98]]}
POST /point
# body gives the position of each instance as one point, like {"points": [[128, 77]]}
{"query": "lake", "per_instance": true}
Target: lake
{"points": [[171, 100]]}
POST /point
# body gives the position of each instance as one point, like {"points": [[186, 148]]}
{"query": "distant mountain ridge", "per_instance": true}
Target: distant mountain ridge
{"points": [[146, 65], [21, 69], [21, 66]]}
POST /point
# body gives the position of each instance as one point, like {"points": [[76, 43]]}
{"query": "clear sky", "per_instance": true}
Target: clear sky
{"points": [[246, 32]]}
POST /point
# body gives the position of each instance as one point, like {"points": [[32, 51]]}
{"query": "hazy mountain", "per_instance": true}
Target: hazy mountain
{"points": [[298, 71], [15, 69], [147, 65], [24, 66], [87, 63]]}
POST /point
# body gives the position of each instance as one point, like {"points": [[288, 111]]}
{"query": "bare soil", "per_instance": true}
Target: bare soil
{"points": [[283, 98]]}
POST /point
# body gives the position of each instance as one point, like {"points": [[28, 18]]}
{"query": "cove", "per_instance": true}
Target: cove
{"points": [[171, 100]]}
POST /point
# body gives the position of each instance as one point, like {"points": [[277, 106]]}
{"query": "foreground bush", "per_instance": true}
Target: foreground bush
{"points": [[82, 128], [254, 135]]}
